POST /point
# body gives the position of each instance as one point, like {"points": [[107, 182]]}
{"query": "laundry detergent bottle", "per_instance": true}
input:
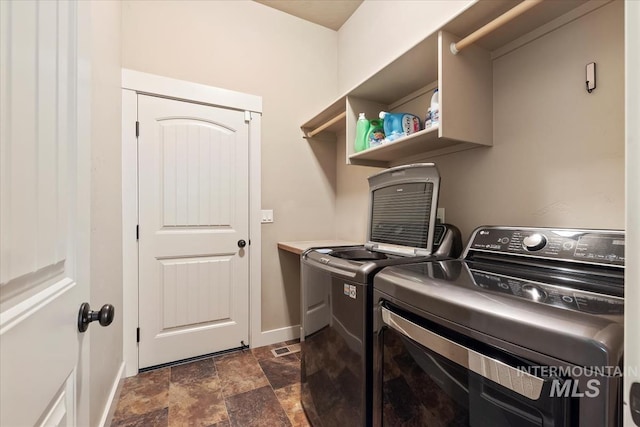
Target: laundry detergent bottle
{"points": [[375, 135], [362, 131], [397, 125], [435, 108]]}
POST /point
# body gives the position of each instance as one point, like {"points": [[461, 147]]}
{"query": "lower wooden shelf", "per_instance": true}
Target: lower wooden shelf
{"points": [[422, 144]]}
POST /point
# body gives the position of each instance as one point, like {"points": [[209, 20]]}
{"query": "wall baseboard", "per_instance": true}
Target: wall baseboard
{"points": [[276, 335], [264, 338], [112, 401]]}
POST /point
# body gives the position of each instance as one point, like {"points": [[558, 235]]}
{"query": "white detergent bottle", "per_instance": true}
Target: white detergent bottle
{"points": [[435, 108]]}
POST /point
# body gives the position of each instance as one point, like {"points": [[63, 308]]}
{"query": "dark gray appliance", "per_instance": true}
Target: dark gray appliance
{"points": [[337, 292], [526, 329]]}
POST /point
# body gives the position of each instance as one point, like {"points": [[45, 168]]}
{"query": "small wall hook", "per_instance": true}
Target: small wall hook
{"points": [[591, 77], [588, 88]]}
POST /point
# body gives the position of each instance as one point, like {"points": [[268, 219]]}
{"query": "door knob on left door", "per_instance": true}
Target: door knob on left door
{"points": [[104, 316]]}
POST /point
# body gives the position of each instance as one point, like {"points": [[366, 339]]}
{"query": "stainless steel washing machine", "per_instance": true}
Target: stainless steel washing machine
{"points": [[526, 329], [337, 292]]}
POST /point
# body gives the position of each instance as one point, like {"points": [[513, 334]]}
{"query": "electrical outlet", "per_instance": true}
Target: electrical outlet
{"points": [[267, 216], [440, 215]]}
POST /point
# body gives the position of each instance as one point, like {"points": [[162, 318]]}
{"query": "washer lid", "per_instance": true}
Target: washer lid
{"points": [[579, 327], [402, 209], [354, 263]]}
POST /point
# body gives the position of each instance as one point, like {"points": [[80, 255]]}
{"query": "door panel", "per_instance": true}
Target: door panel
{"points": [[39, 353], [196, 193], [43, 193], [193, 209], [188, 295]]}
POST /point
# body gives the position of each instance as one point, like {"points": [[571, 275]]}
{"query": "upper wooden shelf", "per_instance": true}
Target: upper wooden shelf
{"points": [[483, 12], [328, 122], [420, 67]]}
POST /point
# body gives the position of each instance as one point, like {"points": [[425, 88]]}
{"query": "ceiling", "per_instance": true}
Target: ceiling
{"points": [[328, 13]]}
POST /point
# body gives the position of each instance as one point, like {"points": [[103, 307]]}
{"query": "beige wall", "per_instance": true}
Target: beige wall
{"points": [[380, 30], [106, 201], [552, 165], [558, 153], [291, 63], [367, 42], [352, 197]]}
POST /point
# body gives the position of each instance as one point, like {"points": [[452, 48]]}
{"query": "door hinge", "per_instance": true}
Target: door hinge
{"points": [[247, 116], [137, 334], [137, 232], [137, 129]]}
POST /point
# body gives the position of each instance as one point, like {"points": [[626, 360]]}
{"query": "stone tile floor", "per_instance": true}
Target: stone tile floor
{"points": [[240, 389]]}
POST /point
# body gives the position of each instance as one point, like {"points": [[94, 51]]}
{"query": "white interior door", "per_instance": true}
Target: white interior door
{"points": [[193, 210], [44, 209]]}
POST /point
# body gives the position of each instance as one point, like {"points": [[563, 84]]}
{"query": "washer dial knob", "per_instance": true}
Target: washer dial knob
{"points": [[535, 293], [534, 242]]}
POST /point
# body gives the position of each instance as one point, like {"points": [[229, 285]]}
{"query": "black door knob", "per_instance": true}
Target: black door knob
{"points": [[242, 243], [104, 316]]}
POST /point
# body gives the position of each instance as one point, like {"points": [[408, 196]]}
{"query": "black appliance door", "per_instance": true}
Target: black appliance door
{"points": [[334, 343], [428, 379]]}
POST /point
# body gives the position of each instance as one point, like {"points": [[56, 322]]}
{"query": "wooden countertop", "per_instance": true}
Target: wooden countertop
{"points": [[299, 247]]}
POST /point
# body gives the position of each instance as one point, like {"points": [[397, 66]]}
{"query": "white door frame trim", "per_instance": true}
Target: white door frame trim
{"points": [[632, 249], [133, 83]]}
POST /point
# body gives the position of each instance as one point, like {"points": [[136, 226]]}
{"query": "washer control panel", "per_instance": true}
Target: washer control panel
{"points": [[574, 299], [590, 246]]}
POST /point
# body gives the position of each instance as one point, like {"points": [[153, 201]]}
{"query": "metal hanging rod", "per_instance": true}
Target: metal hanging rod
{"points": [[493, 25]]}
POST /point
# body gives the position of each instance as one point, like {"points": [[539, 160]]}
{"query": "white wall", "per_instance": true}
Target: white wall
{"points": [[381, 30], [558, 152], [291, 63], [106, 207]]}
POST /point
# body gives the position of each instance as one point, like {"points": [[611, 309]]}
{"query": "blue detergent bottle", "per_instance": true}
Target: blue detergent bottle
{"points": [[397, 125]]}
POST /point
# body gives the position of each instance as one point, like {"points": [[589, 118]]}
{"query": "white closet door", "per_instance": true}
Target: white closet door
{"points": [[193, 211]]}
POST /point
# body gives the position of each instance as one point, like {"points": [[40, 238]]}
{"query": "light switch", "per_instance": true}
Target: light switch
{"points": [[267, 216]]}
